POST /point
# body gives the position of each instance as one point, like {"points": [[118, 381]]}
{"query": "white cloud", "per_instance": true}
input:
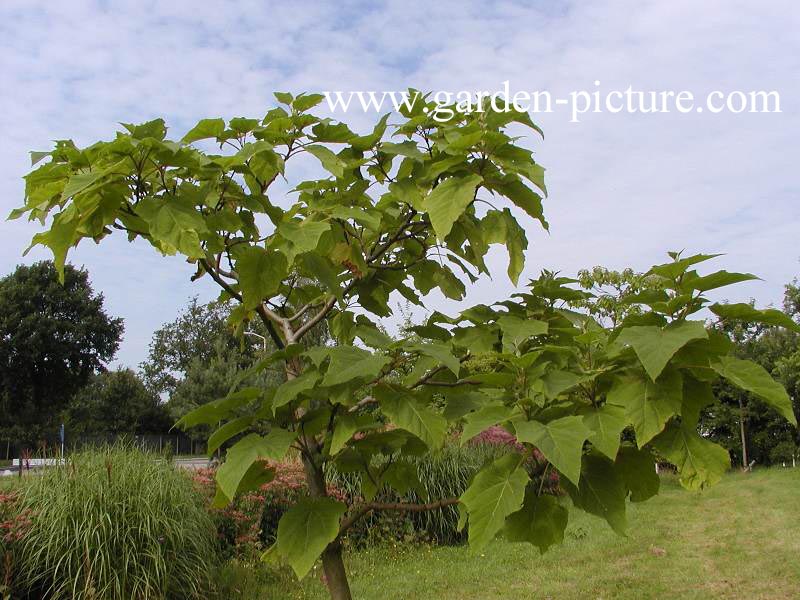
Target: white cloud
{"points": [[624, 188]]}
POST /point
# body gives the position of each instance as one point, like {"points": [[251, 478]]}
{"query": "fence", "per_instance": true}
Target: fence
{"points": [[177, 444]]}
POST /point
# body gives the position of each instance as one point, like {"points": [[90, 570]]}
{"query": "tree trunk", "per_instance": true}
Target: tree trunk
{"points": [[332, 563], [742, 433]]}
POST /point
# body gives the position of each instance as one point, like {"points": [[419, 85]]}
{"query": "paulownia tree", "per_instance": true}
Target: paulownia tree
{"points": [[411, 207]]}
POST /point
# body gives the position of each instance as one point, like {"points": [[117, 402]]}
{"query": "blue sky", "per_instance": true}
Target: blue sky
{"points": [[624, 188]]}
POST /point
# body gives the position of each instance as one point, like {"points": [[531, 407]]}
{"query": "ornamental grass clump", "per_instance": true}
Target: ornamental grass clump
{"points": [[114, 523]]}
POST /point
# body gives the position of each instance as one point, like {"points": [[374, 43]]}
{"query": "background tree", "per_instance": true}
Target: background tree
{"points": [[196, 358], [200, 335], [53, 337], [113, 403], [409, 207]]}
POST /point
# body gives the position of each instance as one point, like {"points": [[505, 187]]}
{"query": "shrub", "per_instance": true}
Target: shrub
{"points": [[115, 523], [250, 523], [236, 524], [14, 523]]}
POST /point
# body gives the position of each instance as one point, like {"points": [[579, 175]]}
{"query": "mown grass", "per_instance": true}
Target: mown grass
{"points": [[741, 539]]}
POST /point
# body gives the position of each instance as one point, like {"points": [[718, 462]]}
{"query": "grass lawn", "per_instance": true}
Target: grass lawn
{"points": [[741, 539]]}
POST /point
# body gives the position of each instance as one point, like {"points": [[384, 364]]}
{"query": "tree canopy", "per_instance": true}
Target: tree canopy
{"points": [[117, 403], [53, 337], [409, 207]]}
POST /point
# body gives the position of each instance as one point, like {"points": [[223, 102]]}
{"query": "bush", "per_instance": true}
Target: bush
{"points": [[114, 523], [14, 523], [237, 525]]}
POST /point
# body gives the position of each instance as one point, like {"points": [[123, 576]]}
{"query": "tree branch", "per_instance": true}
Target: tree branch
{"points": [[368, 507], [227, 287]]}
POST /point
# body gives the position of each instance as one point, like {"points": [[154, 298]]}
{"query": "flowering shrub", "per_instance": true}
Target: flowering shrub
{"points": [[14, 524], [250, 523], [14, 521], [497, 436]]}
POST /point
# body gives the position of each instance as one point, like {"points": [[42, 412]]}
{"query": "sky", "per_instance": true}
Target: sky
{"points": [[624, 188]]}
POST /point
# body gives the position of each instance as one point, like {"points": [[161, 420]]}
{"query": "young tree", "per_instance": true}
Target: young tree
{"points": [[406, 209], [53, 337]]}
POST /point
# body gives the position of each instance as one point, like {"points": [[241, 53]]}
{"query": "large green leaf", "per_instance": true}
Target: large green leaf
{"points": [[478, 340], [700, 462], [674, 269], [696, 396], [346, 425], [212, 413], [480, 420], [561, 442], [251, 448], [558, 381], [226, 432], [601, 491], [754, 378], [205, 128], [606, 424], [717, 280], [260, 274], [525, 198], [408, 149], [82, 181], [648, 405], [289, 390], [306, 529], [175, 224], [638, 470], [443, 353], [59, 238], [516, 331], [406, 412], [541, 521], [300, 237], [448, 201], [500, 227], [748, 314], [349, 363], [496, 491], [330, 162], [656, 346]]}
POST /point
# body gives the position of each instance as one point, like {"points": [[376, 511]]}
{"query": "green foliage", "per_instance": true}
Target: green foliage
{"points": [[115, 523], [402, 217], [769, 438], [53, 338]]}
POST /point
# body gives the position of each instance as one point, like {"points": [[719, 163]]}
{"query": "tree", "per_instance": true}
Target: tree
{"points": [[53, 337], [199, 335], [116, 402], [401, 218], [196, 358]]}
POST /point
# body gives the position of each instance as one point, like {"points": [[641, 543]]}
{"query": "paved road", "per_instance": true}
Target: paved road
{"points": [[193, 463]]}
